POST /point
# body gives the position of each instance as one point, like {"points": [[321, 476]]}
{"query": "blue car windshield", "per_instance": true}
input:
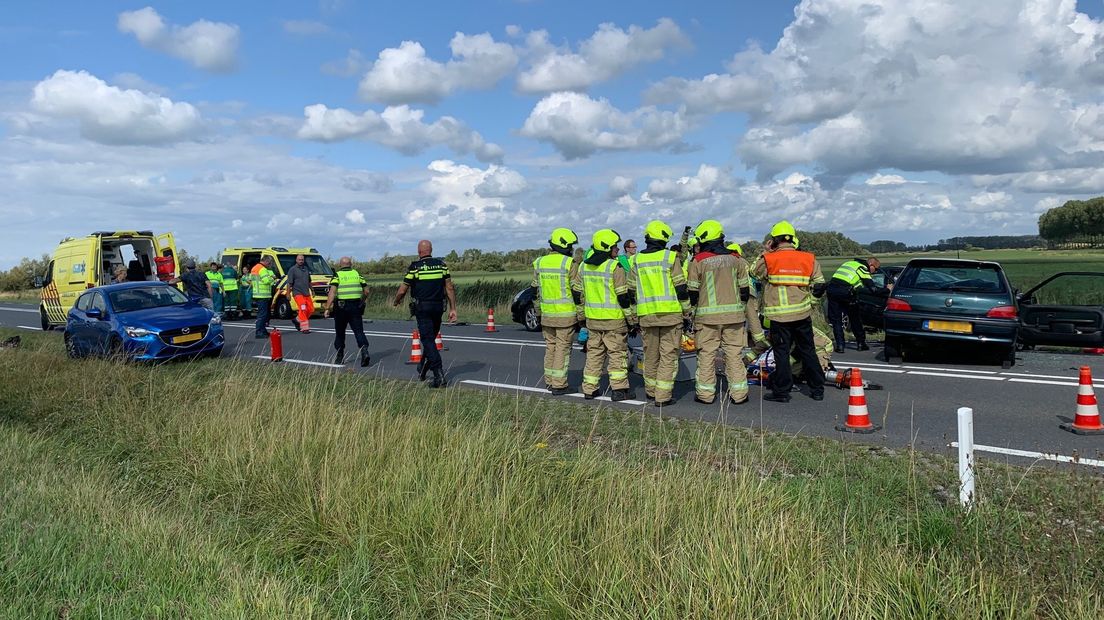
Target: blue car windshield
{"points": [[145, 298]]}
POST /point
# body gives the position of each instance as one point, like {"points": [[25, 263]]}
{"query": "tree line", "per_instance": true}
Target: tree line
{"points": [[1073, 221]]}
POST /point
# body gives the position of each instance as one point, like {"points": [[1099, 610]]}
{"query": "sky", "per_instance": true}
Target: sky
{"points": [[361, 127]]}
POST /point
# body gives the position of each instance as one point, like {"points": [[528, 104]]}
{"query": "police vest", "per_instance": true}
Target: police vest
{"points": [[229, 281], [349, 284], [655, 288], [600, 296], [555, 293], [262, 283], [788, 269], [852, 272]]}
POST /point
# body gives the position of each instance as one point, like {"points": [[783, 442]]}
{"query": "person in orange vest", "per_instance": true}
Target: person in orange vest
{"points": [[791, 278]]}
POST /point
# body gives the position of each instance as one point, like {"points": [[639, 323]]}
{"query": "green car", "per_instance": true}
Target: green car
{"points": [[941, 302]]}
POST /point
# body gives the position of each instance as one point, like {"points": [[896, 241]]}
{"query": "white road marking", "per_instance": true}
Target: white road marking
{"points": [[19, 310], [610, 400], [1044, 382], [980, 372], [30, 328], [1036, 455], [526, 388], [955, 376], [865, 368], [295, 361]]}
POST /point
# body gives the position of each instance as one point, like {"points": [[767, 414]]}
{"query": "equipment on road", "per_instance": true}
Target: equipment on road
{"points": [[490, 321], [842, 380], [858, 417], [1087, 419], [415, 348], [276, 342]]}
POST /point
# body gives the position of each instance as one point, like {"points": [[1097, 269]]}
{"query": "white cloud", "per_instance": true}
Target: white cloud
{"points": [[500, 182], [111, 115], [406, 75], [368, 182], [457, 206], [133, 81], [578, 126], [211, 46], [353, 63], [886, 179], [356, 216], [707, 182], [564, 190], [621, 186], [305, 27], [397, 127], [608, 53], [236, 224]]}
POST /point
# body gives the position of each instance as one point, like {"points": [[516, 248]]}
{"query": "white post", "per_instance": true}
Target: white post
{"points": [[966, 456]]}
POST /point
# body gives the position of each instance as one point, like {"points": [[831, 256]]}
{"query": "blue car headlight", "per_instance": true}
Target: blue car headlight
{"points": [[138, 332], [216, 320]]}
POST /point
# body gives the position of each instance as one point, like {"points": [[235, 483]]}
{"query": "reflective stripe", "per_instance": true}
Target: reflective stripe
{"points": [[552, 372], [262, 283], [598, 291], [665, 385], [618, 374], [655, 284], [648, 381], [590, 379], [706, 387], [711, 306], [852, 272]]}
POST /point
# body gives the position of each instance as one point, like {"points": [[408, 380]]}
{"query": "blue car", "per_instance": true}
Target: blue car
{"points": [[141, 321]]}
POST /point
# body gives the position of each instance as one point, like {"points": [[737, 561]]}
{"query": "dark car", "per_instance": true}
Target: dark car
{"points": [[937, 302], [1066, 309], [141, 321], [523, 310]]}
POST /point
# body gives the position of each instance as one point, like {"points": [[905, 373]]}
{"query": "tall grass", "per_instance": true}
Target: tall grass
{"points": [[371, 498]]}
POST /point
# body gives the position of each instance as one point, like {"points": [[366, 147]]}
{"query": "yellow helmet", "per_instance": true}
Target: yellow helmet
{"points": [[563, 238], [709, 230], [605, 239], [658, 230], [735, 247], [783, 229], [796, 243], [692, 241]]}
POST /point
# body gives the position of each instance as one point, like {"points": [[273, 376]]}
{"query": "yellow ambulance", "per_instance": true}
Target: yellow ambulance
{"points": [[81, 263], [244, 259]]}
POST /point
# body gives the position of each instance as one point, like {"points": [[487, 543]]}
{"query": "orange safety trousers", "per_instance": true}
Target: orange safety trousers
{"points": [[305, 303]]}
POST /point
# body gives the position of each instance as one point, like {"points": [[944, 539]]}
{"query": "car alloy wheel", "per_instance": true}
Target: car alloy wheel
{"points": [[532, 321]]}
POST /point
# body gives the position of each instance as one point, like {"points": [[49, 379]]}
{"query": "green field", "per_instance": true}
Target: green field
{"points": [[138, 491]]}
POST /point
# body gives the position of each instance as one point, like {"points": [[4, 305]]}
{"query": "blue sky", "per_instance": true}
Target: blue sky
{"points": [[361, 127]]}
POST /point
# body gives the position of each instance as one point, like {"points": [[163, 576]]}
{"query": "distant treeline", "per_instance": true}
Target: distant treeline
{"points": [[1077, 223]]}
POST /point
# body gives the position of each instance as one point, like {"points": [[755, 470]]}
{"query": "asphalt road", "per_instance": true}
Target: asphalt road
{"points": [[1019, 408]]}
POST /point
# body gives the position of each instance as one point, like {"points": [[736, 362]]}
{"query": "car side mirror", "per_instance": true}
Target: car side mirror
{"points": [[94, 313], [1024, 298], [38, 282]]}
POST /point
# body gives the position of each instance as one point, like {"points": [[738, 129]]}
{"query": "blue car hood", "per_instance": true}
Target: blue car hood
{"points": [[168, 317]]}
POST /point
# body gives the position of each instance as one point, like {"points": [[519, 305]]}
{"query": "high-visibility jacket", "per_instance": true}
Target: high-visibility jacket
{"points": [[552, 275], [853, 273], [655, 277], [599, 292], [229, 279], [787, 274], [263, 280], [350, 285], [718, 279], [216, 280]]}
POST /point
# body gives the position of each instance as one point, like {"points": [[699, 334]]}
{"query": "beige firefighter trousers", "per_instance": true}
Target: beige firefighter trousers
{"points": [[603, 345], [731, 339], [661, 358], [557, 355]]}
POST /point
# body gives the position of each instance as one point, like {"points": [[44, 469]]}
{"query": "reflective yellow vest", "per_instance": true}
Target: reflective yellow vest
{"points": [[852, 272], [600, 296], [262, 283], [229, 279], [349, 284], [555, 290], [655, 288]]}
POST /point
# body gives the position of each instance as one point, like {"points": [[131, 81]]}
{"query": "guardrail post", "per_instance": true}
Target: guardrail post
{"points": [[966, 473]]}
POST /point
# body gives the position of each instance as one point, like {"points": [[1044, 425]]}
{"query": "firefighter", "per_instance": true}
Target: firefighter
{"points": [[719, 289], [559, 306], [607, 307], [662, 309], [790, 279], [346, 303], [842, 291]]}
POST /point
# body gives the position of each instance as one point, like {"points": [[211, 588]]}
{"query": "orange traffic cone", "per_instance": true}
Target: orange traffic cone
{"points": [[415, 348], [439, 343], [490, 321], [1087, 420], [858, 417]]}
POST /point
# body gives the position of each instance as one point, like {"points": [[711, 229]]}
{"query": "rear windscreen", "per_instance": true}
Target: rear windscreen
{"points": [[936, 277]]}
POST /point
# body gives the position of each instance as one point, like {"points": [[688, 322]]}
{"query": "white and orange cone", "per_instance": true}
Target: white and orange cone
{"points": [[1087, 419], [490, 321], [415, 348], [858, 416], [440, 344]]}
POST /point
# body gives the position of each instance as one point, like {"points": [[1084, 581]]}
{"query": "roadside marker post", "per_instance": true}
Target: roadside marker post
{"points": [[966, 473]]}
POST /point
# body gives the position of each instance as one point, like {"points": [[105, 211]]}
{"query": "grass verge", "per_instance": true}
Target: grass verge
{"points": [[230, 488]]}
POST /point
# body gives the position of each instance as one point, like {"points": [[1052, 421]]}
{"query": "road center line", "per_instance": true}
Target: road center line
{"points": [[1035, 455], [980, 372], [308, 362]]}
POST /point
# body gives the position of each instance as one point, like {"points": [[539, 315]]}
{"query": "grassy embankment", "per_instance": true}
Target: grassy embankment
{"points": [[140, 491]]}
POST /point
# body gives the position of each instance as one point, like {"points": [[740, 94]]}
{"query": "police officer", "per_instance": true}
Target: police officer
{"points": [[607, 307], [719, 288], [842, 291], [790, 278], [429, 283], [349, 289], [262, 281], [559, 306], [662, 307]]}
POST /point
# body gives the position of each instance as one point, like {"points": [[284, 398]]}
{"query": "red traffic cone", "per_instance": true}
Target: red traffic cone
{"points": [[439, 343], [858, 417], [277, 345], [490, 321], [415, 348], [1087, 420]]}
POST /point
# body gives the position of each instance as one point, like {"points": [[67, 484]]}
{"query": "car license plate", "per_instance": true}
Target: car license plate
{"points": [[186, 338], [955, 327]]}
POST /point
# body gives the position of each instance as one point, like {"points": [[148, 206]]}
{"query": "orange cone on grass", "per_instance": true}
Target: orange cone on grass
{"points": [[1087, 419], [490, 321], [858, 416], [415, 348]]}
